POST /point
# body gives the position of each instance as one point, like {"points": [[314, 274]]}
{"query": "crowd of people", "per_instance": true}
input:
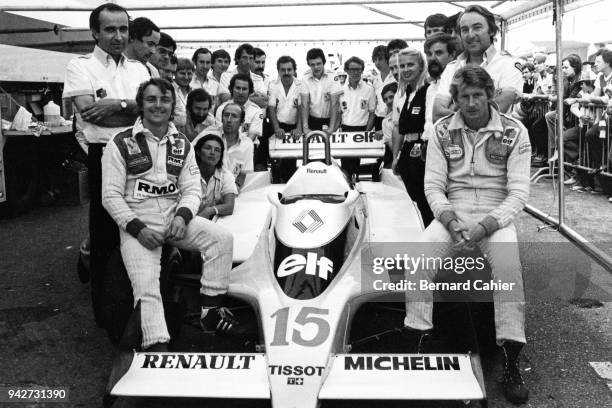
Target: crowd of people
{"points": [[171, 140], [585, 86]]}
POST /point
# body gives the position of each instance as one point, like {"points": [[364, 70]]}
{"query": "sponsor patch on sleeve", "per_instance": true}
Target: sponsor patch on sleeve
{"points": [[193, 170], [524, 148]]}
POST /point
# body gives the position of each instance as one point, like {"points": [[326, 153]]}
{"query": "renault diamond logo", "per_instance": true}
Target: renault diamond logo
{"points": [[308, 221]]}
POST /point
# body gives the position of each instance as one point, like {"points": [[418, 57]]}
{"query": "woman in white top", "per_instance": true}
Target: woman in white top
{"points": [[218, 185]]}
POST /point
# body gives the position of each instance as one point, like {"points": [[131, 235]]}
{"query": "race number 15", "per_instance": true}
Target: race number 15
{"points": [[307, 315]]}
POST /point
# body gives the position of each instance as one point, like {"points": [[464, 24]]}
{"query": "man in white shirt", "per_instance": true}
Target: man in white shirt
{"points": [[320, 95], [182, 78], [243, 58], [357, 104], [163, 52], [283, 109], [102, 86], [239, 153], [142, 42], [440, 49], [204, 78], [241, 86], [477, 32], [380, 58]]}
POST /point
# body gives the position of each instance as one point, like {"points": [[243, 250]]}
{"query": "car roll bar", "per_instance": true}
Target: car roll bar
{"points": [[325, 140]]}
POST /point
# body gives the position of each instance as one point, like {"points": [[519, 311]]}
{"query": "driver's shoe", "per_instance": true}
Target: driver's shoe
{"points": [[513, 385], [220, 320]]}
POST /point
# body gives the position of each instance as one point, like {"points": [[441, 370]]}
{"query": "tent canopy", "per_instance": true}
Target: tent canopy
{"points": [[269, 20]]}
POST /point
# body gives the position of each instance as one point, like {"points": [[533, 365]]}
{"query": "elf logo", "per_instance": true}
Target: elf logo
{"points": [[295, 263]]}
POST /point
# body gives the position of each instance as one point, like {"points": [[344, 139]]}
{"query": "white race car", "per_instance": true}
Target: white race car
{"points": [[300, 251]]}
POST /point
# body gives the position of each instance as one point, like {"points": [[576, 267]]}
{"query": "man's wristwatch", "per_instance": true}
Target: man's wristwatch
{"points": [[123, 105]]}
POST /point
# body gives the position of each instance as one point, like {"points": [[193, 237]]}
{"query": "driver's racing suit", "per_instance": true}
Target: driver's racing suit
{"points": [[477, 178], [146, 182]]}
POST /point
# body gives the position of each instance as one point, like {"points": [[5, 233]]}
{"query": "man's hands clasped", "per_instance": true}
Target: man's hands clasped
{"points": [[151, 239]]}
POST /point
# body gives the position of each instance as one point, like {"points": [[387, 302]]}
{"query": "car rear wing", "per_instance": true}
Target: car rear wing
{"points": [[343, 144]]}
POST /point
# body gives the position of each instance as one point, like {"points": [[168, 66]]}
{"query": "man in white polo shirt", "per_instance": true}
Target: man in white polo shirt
{"points": [[357, 104], [283, 108], [320, 95], [102, 86], [239, 155], [477, 30], [380, 58], [244, 60], [241, 86], [204, 78]]}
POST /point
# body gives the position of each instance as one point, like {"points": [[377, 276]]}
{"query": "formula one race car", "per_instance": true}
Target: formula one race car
{"points": [[300, 248]]}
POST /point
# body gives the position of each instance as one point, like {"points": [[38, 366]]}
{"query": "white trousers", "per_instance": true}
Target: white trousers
{"points": [[143, 268], [502, 252]]}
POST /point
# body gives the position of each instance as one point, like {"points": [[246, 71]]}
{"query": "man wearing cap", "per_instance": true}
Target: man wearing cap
{"points": [[477, 31]]}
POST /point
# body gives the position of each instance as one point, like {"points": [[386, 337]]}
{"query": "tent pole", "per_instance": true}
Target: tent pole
{"points": [[558, 13], [504, 34]]}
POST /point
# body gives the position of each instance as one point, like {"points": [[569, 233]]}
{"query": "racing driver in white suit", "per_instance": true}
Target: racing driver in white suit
{"points": [[151, 188]]}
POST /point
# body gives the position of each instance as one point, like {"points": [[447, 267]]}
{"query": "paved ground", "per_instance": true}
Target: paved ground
{"points": [[48, 337]]}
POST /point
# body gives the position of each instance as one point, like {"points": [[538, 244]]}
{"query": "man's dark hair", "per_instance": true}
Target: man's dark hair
{"points": [[242, 112], [396, 44], [606, 55], [258, 52], [576, 63], [315, 53], [437, 20], [163, 85], [483, 11], [248, 48], [206, 138], [94, 17], [166, 41], [530, 67], [472, 76], [451, 24], [220, 54], [353, 60], [142, 27], [199, 51], [197, 95], [241, 77], [285, 59], [389, 87], [380, 51], [450, 41]]}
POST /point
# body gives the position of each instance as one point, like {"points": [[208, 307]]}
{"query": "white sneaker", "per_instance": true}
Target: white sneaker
{"points": [[570, 181]]}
